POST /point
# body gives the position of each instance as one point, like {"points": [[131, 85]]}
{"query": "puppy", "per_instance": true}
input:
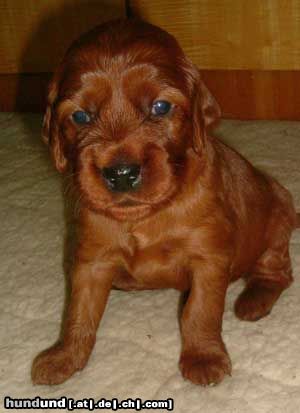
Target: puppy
{"points": [[163, 204]]}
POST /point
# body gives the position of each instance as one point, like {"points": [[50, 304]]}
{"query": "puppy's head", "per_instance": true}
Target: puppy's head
{"points": [[124, 107]]}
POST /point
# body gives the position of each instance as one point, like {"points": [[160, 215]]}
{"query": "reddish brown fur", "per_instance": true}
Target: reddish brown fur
{"points": [[202, 218]]}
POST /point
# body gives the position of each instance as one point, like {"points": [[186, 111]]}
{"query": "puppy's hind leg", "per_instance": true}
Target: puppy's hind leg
{"points": [[271, 274], [259, 296]]}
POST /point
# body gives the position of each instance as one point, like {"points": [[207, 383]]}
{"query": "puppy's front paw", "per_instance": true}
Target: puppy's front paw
{"points": [[205, 368], [52, 366]]}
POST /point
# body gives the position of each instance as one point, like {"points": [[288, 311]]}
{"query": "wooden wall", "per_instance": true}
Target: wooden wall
{"points": [[248, 50], [34, 35], [231, 34], [246, 94]]}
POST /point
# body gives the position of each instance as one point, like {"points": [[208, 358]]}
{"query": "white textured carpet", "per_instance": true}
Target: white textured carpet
{"points": [[138, 343]]}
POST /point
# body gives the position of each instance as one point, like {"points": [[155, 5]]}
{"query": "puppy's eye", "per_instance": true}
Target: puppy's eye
{"points": [[81, 118], [160, 107]]}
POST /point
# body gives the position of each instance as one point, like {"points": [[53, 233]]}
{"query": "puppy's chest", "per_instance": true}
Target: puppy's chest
{"points": [[151, 262]]}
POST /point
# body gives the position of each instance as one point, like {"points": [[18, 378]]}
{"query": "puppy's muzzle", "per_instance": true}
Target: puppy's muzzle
{"points": [[122, 178]]}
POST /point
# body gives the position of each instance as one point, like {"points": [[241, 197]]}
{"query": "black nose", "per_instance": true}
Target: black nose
{"points": [[122, 178]]}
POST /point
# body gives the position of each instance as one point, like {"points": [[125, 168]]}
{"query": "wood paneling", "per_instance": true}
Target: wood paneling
{"points": [[217, 34], [245, 94], [242, 94], [230, 34], [23, 92], [34, 34]]}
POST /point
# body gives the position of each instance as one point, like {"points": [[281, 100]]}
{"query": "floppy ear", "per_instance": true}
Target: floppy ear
{"points": [[51, 133], [206, 113]]}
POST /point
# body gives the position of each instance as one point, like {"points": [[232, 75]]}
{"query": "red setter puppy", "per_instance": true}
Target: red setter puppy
{"points": [[162, 203]]}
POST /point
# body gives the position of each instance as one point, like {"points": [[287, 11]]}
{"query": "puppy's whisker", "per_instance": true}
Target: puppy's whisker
{"points": [[77, 206]]}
